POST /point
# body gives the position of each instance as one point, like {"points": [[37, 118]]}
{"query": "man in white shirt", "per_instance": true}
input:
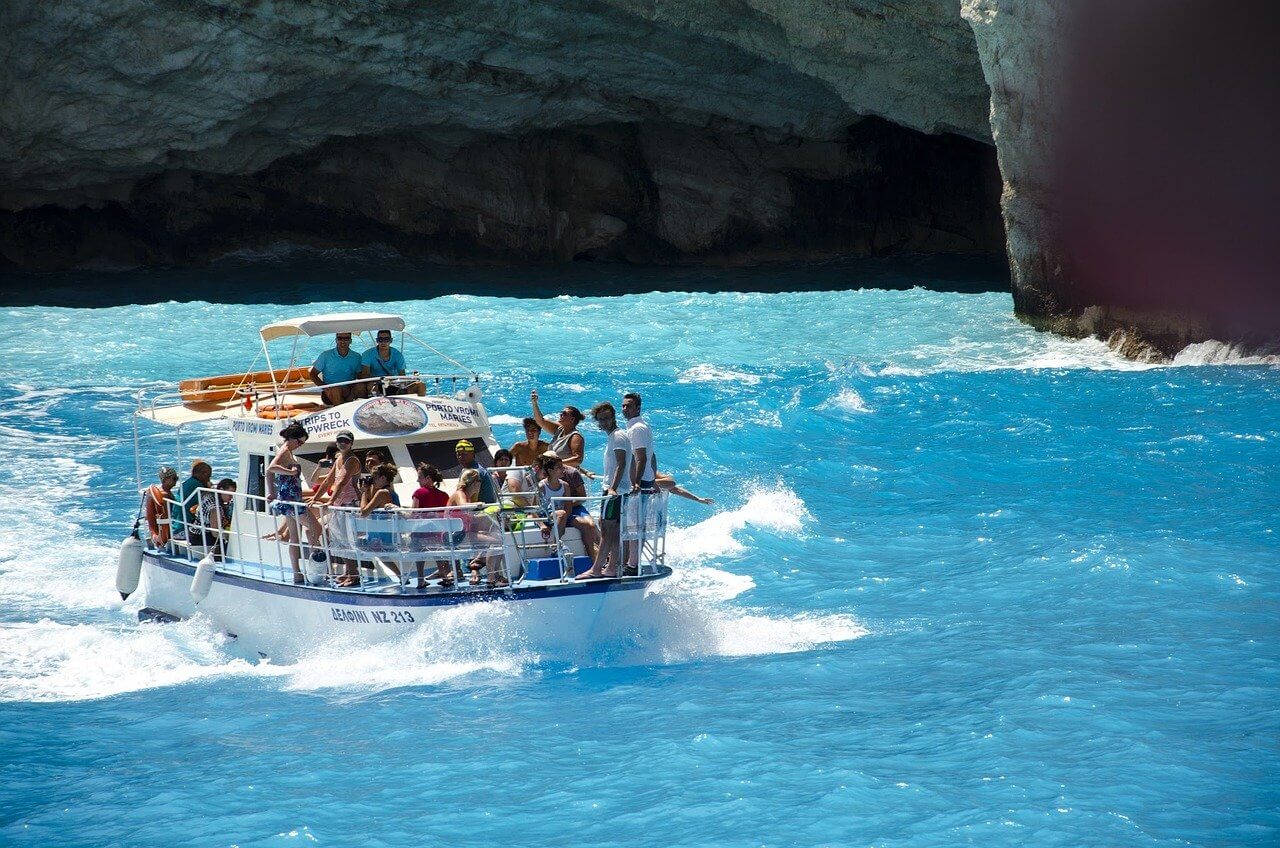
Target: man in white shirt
{"points": [[617, 482], [644, 467], [644, 470]]}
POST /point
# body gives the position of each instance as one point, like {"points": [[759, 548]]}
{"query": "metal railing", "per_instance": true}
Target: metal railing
{"points": [[371, 551], [150, 400]]}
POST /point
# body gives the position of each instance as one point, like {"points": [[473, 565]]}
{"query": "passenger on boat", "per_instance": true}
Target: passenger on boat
{"points": [[644, 469], [201, 474], [526, 453], [617, 461], [156, 510], [514, 488], [375, 502], [554, 492], [284, 496], [339, 364], [383, 361], [480, 530], [323, 466], [644, 466], [215, 516], [466, 454], [341, 481], [566, 441], [373, 458], [666, 483], [428, 496]]}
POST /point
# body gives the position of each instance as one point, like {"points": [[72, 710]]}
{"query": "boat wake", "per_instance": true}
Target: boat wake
{"points": [[691, 616]]}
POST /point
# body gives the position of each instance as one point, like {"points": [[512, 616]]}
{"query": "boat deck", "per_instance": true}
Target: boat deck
{"points": [[381, 585]]}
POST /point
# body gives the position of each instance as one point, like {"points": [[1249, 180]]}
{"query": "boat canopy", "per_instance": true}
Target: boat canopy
{"points": [[338, 322]]}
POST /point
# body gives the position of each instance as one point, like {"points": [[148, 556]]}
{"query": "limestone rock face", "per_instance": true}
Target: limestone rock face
{"points": [[1018, 43], [135, 133], [99, 93]]}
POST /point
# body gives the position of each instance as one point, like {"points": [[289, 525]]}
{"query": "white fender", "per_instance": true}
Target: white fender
{"points": [[129, 567], [204, 578], [316, 567]]}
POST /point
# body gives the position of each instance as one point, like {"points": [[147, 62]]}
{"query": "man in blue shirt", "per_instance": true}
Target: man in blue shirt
{"points": [[188, 501], [341, 364], [386, 361]]}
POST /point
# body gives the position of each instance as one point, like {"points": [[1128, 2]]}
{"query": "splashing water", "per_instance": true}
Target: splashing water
{"points": [[963, 582]]}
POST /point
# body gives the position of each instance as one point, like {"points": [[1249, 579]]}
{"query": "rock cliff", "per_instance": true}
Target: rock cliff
{"points": [[663, 131], [133, 133]]}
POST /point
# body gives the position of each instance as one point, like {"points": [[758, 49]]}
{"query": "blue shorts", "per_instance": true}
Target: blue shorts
{"points": [[579, 511]]}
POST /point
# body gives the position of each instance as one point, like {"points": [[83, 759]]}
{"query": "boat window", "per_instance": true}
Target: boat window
{"points": [[256, 482], [441, 454], [309, 459]]}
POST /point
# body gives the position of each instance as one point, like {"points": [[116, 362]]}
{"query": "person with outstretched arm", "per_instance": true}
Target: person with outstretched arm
{"points": [[566, 441]]}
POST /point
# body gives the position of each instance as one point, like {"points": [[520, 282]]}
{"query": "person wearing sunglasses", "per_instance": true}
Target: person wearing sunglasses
{"points": [[284, 496], [339, 364], [566, 441], [617, 484], [382, 361]]}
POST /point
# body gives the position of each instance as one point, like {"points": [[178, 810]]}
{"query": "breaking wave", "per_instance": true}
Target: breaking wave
{"points": [[1221, 353], [847, 400]]}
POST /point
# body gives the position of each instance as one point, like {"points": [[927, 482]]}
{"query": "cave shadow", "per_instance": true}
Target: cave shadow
{"points": [[299, 276]]}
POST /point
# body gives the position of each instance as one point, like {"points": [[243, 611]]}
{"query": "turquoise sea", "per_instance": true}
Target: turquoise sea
{"points": [[963, 583]]}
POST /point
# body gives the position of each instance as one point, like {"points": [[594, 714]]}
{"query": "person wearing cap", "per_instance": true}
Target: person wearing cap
{"points": [[158, 513], [339, 364], [466, 455]]}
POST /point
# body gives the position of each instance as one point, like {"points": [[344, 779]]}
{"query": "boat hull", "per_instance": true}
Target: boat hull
{"points": [[283, 622]]}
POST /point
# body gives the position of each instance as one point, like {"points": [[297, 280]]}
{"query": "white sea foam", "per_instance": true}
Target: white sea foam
{"points": [[503, 420], [847, 400], [714, 374], [1220, 353], [48, 661], [776, 509]]}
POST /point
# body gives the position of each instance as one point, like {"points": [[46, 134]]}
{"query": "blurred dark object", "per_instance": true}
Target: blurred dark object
{"points": [[1168, 170]]}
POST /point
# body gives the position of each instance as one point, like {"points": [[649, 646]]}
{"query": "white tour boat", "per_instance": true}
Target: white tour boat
{"points": [[240, 575]]}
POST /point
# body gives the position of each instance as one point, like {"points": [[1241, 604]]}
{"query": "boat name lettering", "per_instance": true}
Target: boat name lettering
{"points": [[372, 616], [456, 413], [261, 428], [324, 422]]}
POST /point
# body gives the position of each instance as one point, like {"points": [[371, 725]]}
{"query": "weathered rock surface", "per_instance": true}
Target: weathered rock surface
{"points": [[134, 133], [653, 131], [100, 93]]}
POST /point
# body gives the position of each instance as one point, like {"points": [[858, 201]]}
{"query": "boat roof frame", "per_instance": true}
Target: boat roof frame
{"points": [[309, 326]]}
